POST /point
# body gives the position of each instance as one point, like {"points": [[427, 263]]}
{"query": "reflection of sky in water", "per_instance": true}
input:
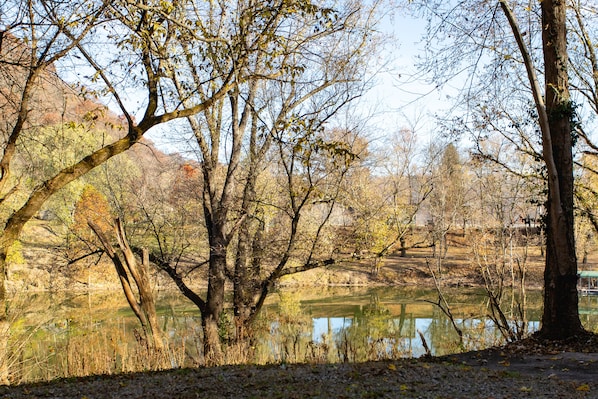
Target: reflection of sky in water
{"points": [[328, 326], [422, 324], [415, 343]]}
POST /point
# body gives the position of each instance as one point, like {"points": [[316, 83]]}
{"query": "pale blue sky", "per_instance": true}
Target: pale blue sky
{"points": [[404, 99]]}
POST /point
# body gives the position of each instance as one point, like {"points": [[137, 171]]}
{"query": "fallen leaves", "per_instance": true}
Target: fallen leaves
{"points": [[583, 388]]}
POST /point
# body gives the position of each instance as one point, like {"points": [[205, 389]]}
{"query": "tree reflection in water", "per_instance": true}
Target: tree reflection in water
{"points": [[62, 335]]}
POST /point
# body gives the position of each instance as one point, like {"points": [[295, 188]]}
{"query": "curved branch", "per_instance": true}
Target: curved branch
{"points": [[540, 105]]}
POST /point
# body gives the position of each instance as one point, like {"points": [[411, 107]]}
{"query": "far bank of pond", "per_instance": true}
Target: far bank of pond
{"points": [[69, 334]]}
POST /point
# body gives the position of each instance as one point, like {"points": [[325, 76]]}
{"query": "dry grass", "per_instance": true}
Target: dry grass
{"points": [[111, 350]]}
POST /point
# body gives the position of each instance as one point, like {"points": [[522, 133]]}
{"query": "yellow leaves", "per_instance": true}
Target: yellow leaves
{"points": [[583, 388], [167, 6], [392, 367], [525, 389], [504, 363], [15, 254]]}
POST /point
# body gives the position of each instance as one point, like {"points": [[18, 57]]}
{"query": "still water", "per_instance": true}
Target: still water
{"points": [[67, 334]]}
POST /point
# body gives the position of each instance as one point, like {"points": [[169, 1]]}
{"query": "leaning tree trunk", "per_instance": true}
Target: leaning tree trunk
{"points": [[560, 318], [144, 307]]}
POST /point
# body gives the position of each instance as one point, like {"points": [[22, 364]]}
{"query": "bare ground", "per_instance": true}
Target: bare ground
{"points": [[524, 370], [419, 268]]}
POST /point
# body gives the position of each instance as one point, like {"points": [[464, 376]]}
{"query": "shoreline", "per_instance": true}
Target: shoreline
{"points": [[495, 372]]}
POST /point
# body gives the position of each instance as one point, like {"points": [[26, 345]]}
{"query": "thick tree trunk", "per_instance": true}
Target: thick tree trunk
{"points": [[243, 284], [247, 284], [211, 344], [560, 318], [215, 301]]}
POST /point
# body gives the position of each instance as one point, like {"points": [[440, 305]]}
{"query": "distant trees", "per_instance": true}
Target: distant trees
{"points": [[385, 206], [447, 196]]}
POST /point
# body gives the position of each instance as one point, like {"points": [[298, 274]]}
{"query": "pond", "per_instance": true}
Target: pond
{"points": [[71, 334]]}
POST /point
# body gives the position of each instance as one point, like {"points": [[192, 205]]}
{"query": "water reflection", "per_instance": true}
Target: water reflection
{"points": [[61, 335], [588, 311], [384, 323]]}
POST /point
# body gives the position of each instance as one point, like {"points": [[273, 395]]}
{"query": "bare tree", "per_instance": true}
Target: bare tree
{"points": [[296, 65], [384, 208], [447, 198], [491, 40], [555, 112]]}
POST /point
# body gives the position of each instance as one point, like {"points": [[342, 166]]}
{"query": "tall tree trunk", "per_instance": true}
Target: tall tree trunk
{"points": [[560, 318], [215, 300], [248, 258], [243, 282]]}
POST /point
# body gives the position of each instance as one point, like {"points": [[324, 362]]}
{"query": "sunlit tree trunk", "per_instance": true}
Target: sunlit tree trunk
{"points": [[144, 306]]}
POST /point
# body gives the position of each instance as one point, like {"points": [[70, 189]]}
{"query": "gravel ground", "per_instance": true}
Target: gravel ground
{"points": [[424, 378], [531, 368]]}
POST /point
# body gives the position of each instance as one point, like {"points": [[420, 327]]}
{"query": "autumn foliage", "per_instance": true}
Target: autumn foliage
{"points": [[93, 207]]}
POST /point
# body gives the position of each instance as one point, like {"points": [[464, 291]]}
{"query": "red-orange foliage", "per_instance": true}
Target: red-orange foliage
{"points": [[189, 171], [92, 206]]}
